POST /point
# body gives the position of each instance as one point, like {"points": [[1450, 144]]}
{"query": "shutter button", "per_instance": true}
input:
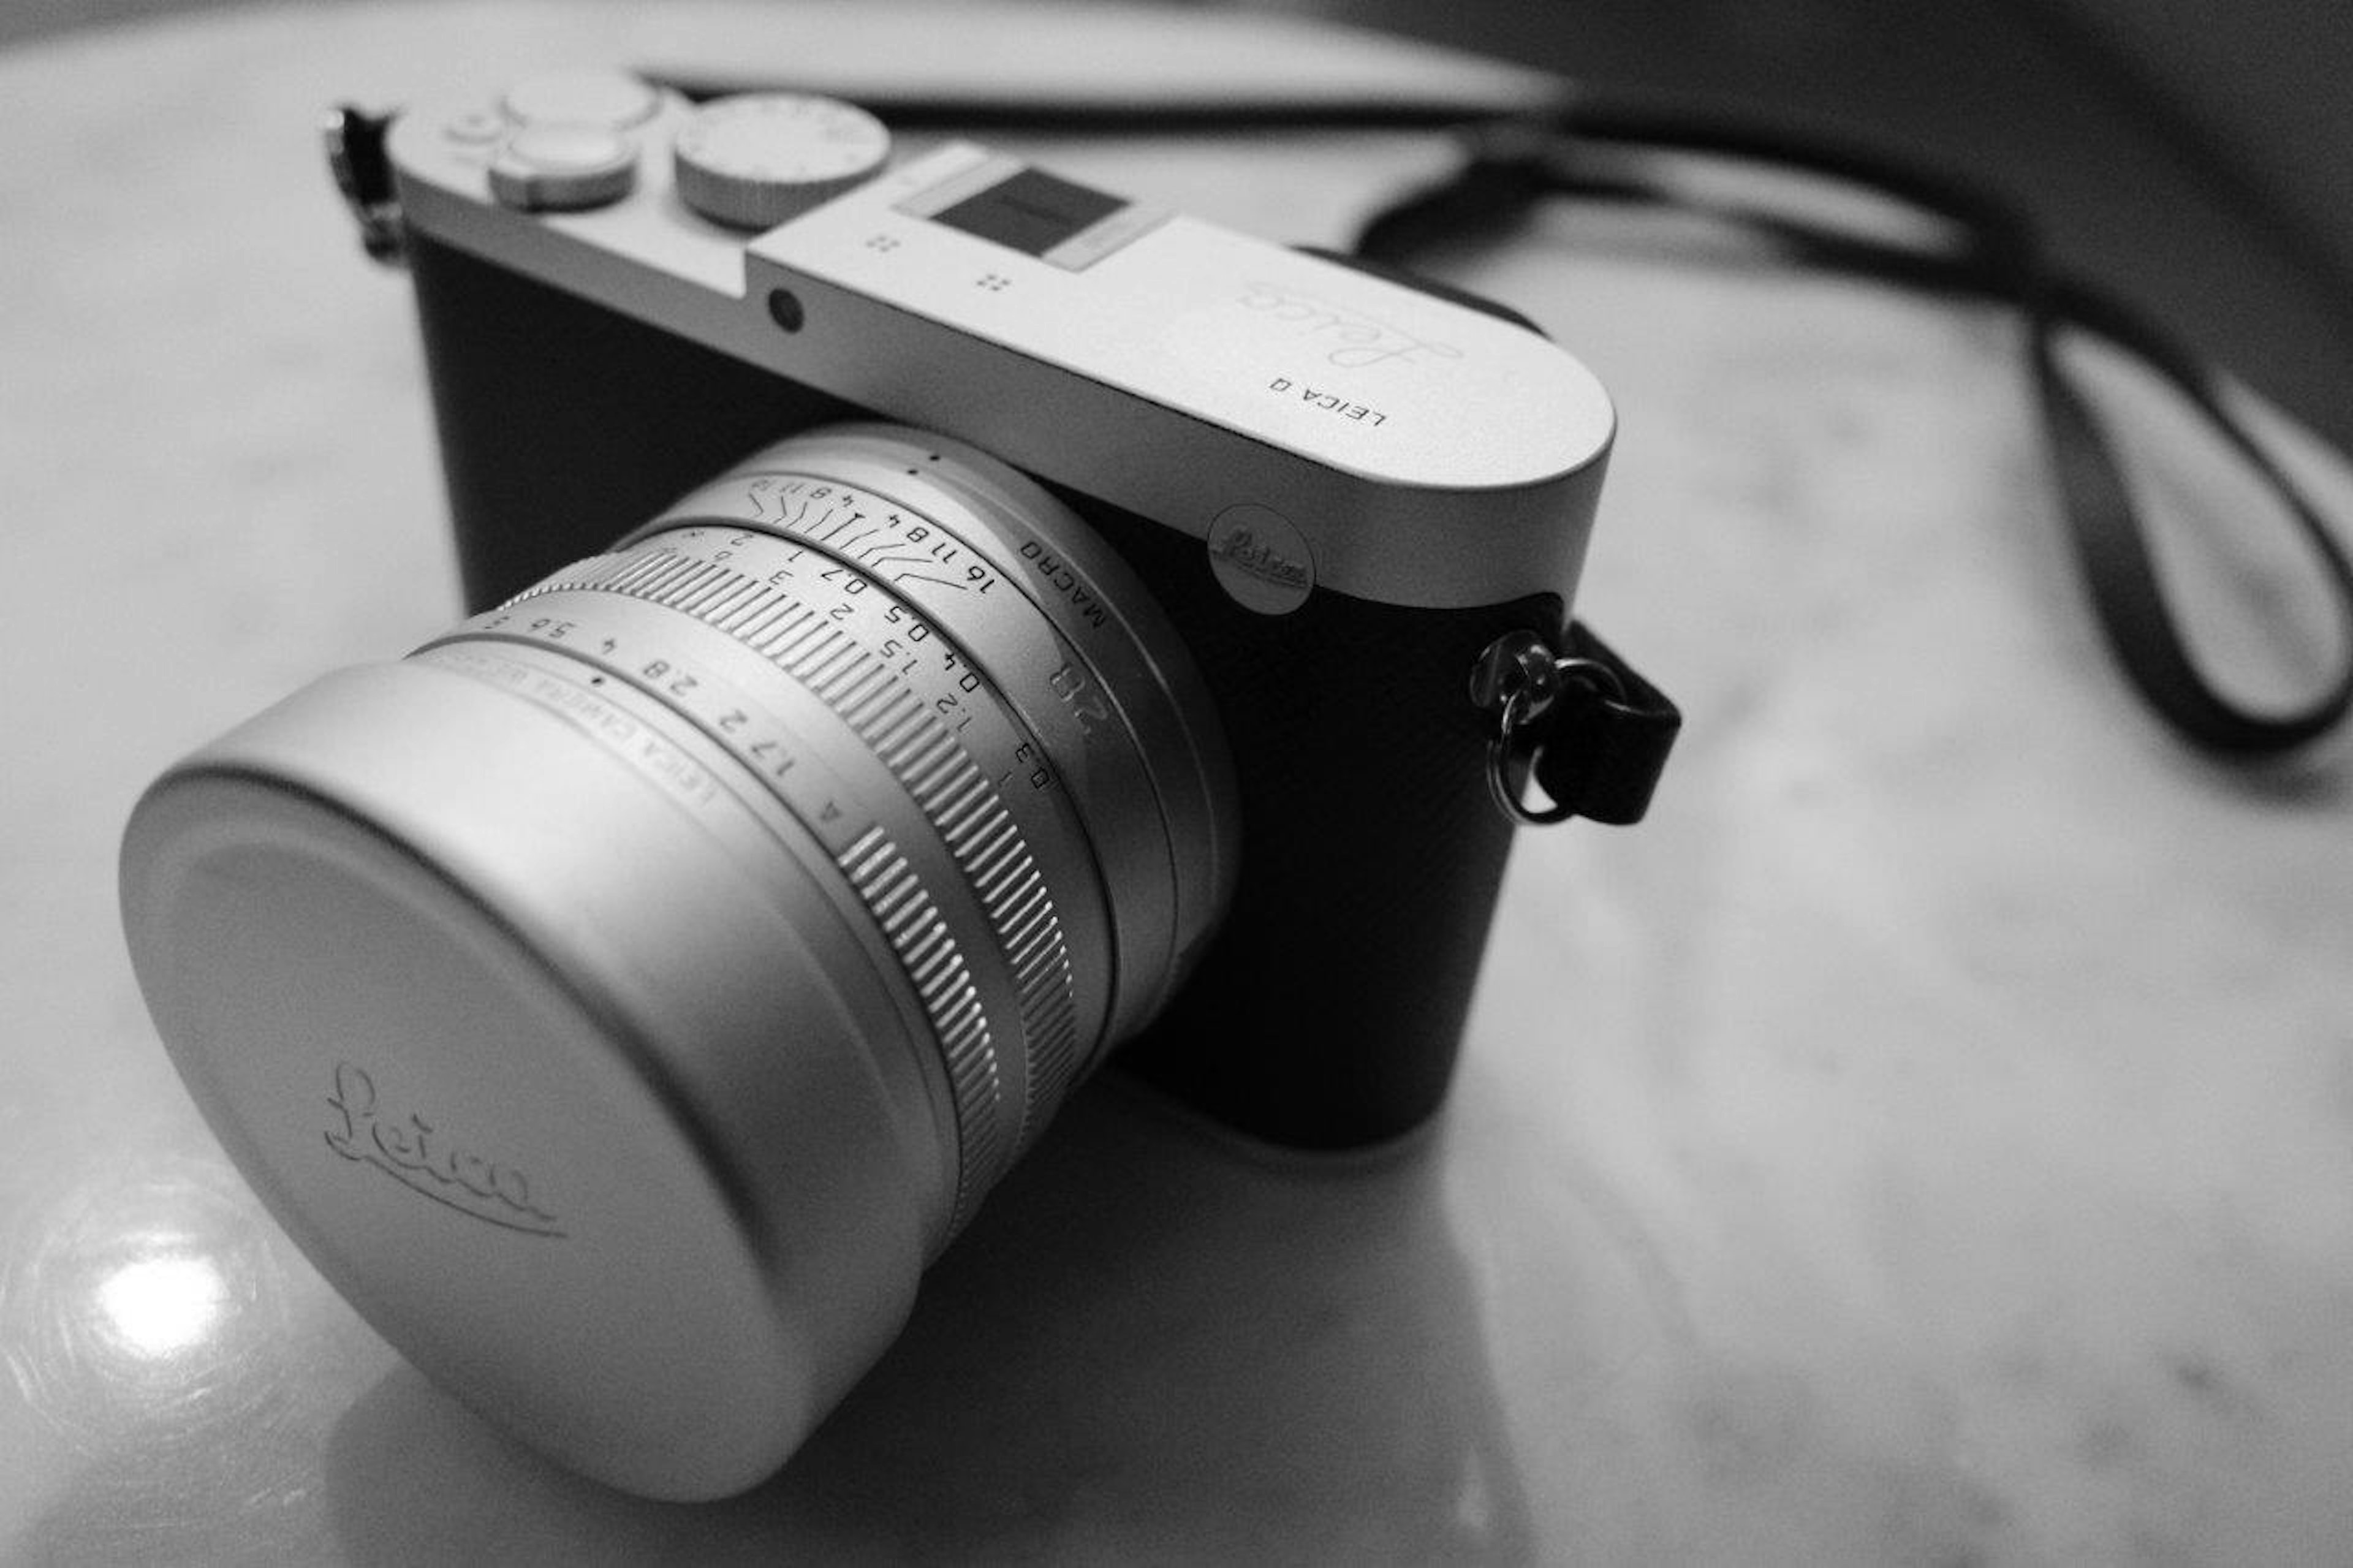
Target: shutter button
{"points": [[563, 168], [569, 153]]}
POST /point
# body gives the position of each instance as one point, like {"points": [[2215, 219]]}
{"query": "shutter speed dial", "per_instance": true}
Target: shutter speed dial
{"points": [[756, 161]]}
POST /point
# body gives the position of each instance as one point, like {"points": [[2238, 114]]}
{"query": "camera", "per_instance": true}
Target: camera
{"points": [[934, 627]]}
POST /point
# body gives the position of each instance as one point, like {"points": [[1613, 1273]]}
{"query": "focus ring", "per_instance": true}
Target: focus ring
{"points": [[915, 932], [890, 891], [947, 788]]}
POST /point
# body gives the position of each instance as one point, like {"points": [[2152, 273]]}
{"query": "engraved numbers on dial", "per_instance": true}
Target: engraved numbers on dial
{"points": [[758, 160], [872, 531], [911, 695], [859, 604], [808, 788]]}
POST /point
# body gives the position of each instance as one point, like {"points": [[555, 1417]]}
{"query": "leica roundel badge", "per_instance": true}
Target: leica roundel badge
{"points": [[1261, 560]]}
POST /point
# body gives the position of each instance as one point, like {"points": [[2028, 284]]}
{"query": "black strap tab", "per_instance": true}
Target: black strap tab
{"points": [[1581, 721], [1605, 739]]}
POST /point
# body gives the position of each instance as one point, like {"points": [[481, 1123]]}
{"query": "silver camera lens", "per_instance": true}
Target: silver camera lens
{"points": [[623, 998]]}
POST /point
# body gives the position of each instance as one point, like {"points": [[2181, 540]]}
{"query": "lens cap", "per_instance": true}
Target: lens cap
{"points": [[568, 1088]]}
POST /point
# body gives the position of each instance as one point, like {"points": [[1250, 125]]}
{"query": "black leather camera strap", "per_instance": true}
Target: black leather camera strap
{"points": [[2112, 546]]}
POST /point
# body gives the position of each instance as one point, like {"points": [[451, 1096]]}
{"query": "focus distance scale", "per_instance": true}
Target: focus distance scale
{"points": [[910, 701]]}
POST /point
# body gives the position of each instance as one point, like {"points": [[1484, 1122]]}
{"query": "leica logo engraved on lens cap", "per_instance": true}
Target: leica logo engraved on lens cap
{"points": [[1261, 560], [412, 1151]]}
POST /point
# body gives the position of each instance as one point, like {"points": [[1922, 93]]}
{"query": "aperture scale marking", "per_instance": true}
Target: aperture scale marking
{"points": [[862, 848], [914, 716]]}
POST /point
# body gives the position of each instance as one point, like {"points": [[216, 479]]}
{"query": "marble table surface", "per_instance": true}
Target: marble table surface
{"points": [[1929, 1139]]}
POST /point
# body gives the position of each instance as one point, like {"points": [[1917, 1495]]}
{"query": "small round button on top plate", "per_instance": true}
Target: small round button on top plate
{"points": [[563, 168], [756, 161]]}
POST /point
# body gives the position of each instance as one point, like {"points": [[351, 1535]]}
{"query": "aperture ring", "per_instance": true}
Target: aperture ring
{"points": [[916, 934], [947, 788], [920, 932]]}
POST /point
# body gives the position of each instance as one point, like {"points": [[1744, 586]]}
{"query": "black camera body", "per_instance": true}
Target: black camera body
{"points": [[573, 402]]}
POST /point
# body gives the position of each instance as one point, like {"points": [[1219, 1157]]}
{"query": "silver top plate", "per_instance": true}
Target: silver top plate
{"points": [[1425, 453]]}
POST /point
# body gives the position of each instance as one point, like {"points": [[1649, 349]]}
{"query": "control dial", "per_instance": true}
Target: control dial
{"points": [[755, 161]]}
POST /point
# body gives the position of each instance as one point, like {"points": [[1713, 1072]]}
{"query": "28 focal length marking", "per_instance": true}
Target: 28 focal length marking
{"points": [[912, 697]]}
